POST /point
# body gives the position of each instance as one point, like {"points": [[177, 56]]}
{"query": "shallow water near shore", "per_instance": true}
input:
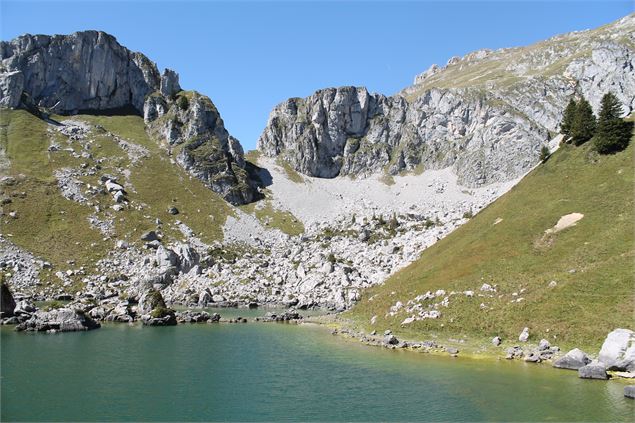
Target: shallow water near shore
{"points": [[268, 371]]}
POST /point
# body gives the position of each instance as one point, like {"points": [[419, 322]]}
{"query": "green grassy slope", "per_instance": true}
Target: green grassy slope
{"points": [[591, 262], [57, 229]]}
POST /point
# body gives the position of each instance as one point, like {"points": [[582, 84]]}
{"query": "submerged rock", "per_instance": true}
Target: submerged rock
{"points": [[629, 391]]}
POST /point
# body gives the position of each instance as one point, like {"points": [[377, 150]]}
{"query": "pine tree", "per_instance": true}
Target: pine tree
{"points": [[613, 133], [567, 119], [583, 125]]}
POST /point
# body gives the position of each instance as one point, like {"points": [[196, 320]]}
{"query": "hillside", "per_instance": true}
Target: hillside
{"points": [[506, 246]]}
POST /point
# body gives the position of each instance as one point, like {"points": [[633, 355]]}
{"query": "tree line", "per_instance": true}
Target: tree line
{"points": [[610, 133]]}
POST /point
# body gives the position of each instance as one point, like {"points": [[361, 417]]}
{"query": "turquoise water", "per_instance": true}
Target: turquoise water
{"points": [[251, 372]]}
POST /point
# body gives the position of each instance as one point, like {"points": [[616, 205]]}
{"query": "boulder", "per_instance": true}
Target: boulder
{"points": [[60, 320], [524, 335], [160, 317], [533, 357], [150, 300], [150, 236], [496, 341], [572, 360], [390, 340], [543, 345], [618, 350], [165, 257], [24, 307], [593, 370], [629, 391]]}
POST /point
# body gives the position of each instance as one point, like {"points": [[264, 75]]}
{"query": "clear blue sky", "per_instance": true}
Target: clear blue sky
{"points": [[249, 56]]}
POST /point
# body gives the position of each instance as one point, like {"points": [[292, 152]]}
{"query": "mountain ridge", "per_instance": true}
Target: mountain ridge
{"points": [[348, 131]]}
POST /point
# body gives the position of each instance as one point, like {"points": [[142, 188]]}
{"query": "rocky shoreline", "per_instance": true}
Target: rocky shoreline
{"points": [[615, 360]]}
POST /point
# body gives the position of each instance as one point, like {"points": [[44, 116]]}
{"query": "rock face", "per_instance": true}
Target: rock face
{"points": [[62, 320], [347, 131], [486, 129], [572, 360], [7, 303], [86, 70], [91, 71], [206, 150], [618, 350]]}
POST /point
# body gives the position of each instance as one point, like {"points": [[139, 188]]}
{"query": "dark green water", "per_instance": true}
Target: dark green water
{"points": [[276, 372]]}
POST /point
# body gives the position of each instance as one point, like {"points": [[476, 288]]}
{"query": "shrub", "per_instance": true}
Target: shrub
{"points": [[160, 312], [468, 214], [183, 102], [544, 153]]}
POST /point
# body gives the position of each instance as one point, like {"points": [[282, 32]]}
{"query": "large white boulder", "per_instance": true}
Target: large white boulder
{"points": [[618, 350]]}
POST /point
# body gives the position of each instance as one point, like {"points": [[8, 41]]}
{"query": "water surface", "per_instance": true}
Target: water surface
{"points": [[248, 372]]}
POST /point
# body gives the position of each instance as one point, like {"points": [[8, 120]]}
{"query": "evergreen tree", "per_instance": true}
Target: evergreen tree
{"points": [[567, 119], [583, 125], [613, 133]]}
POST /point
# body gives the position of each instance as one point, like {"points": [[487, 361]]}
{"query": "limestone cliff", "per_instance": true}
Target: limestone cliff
{"points": [[486, 115]]}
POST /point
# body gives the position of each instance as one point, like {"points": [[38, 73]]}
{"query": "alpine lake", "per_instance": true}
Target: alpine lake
{"points": [[277, 372]]}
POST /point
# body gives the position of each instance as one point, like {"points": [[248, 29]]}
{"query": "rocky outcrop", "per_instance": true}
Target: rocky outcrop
{"points": [[347, 131], [485, 115], [86, 70], [58, 320], [91, 71], [192, 125]]}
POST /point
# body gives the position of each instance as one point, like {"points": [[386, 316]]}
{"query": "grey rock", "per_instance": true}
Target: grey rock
{"points": [[452, 350], [543, 345], [533, 357], [514, 352], [104, 75], [572, 360], [390, 340], [150, 236], [24, 307], [169, 83], [496, 341], [61, 320], [629, 391], [173, 211], [524, 335], [11, 88], [593, 370], [618, 350]]}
